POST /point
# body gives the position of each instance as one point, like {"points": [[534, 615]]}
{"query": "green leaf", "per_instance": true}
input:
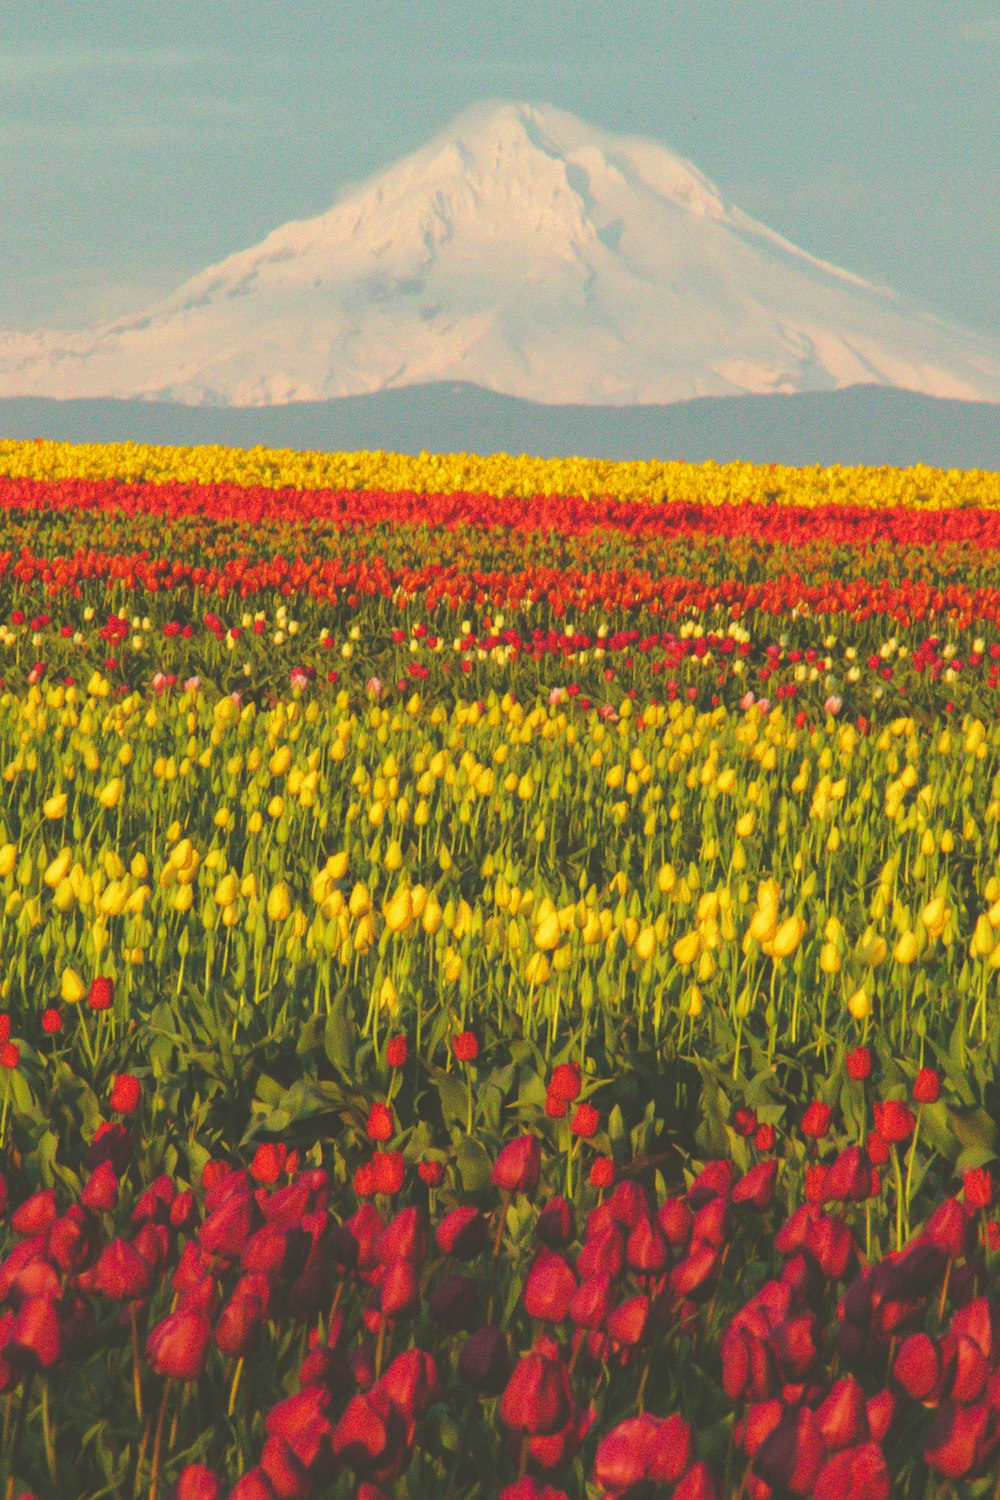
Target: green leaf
{"points": [[473, 1164], [340, 1036]]}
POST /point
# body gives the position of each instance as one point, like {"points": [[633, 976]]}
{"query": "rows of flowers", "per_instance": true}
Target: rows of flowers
{"points": [[917, 488], [498, 979], [274, 1330]]}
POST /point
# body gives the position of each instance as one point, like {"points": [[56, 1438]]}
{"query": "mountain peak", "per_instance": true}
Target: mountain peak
{"points": [[527, 252]]}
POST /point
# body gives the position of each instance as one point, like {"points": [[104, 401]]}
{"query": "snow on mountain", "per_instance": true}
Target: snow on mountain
{"points": [[527, 253]]}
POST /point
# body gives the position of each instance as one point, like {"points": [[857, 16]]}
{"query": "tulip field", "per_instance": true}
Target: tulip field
{"points": [[499, 978]]}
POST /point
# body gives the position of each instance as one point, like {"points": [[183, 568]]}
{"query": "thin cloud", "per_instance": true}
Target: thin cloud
{"points": [[19, 65]]}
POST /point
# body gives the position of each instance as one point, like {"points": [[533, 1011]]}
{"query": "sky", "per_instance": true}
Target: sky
{"points": [[866, 132]]}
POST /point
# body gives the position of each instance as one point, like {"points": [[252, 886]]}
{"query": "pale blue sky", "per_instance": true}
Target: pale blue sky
{"points": [[133, 155]]}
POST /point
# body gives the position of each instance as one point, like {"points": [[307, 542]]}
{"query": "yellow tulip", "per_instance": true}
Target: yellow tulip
{"points": [[548, 932], [829, 958], [788, 937], [387, 997], [71, 987], [55, 806], [360, 902], [8, 859], [111, 794], [645, 944], [935, 916], [982, 939], [279, 903], [687, 948], [453, 965], [906, 949], [859, 1004], [59, 867], [398, 912]]}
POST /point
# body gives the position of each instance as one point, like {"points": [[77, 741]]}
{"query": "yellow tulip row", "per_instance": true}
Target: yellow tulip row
{"points": [[413, 795], [918, 488]]}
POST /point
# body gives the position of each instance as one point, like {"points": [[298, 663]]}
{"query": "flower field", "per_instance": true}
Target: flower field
{"points": [[499, 965]]}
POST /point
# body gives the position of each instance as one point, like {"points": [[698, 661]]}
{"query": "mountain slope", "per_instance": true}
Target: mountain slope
{"points": [[532, 255], [865, 424]]}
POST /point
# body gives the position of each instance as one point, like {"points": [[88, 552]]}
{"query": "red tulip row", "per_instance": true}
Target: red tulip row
{"points": [[571, 1340], [569, 515]]}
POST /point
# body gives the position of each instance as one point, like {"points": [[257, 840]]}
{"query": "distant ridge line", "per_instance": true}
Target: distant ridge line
{"points": [[862, 424]]}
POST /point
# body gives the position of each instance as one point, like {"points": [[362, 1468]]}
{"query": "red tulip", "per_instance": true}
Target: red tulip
{"points": [[713, 1181], [122, 1273], [628, 1322], [388, 1171], [850, 1178], [699, 1483], [178, 1346], [197, 1482], [565, 1082], [269, 1161], [757, 1187], [586, 1121], [400, 1290], [857, 1473], [646, 1250], [978, 1187], [100, 1191], [604, 1252], [537, 1397], [102, 993], [951, 1229], [462, 1233], [962, 1440], [918, 1365], [253, 1485], [369, 1435], [484, 1361], [628, 1204], [126, 1094], [927, 1086], [381, 1126], [455, 1303], [411, 1382], [285, 1471], [554, 1225], [549, 1288], [404, 1238], [712, 1223], [602, 1172], [518, 1167], [238, 1326], [301, 1421], [831, 1246], [465, 1046], [842, 1417], [816, 1120], [644, 1449], [792, 1455], [859, 1063], [893, 1120], [880, 1410], [675, 1219], [36, 1214], [591, 1301], [34, 1340], [396, 1052], [694, 1273]]}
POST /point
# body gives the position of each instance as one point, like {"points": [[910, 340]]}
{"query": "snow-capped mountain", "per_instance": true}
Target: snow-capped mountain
{"points": [[527, 253]]}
